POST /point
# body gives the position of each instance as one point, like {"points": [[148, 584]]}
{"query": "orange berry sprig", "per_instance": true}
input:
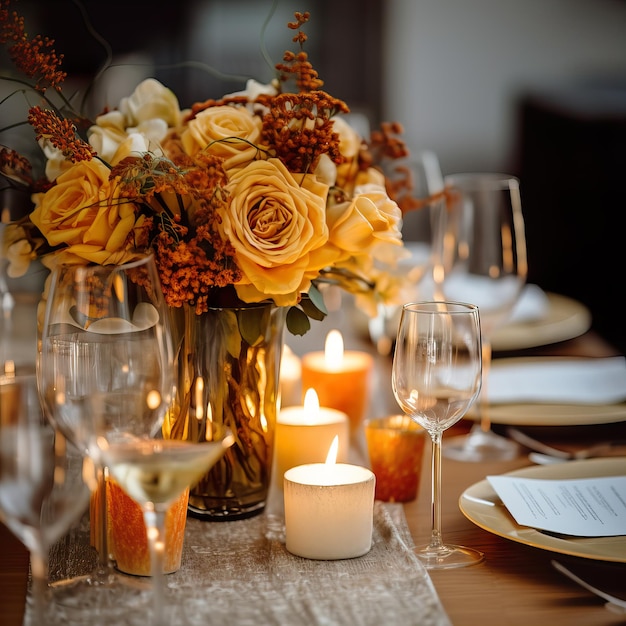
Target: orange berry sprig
{"points": [[35, 58], [61, 133]]}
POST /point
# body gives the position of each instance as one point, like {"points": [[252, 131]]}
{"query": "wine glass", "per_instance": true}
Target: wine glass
{"points": [[72, 364], [42, 491], [436, 376], [479, 252], [107, 357]]}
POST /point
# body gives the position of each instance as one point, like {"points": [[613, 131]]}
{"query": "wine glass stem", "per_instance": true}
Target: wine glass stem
{"points": [[435, 500], [155, 526], [39, 585], [485, 421], [103, 551]]}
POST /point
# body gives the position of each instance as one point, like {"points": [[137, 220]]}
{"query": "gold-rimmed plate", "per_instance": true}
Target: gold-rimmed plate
{"points": [[531, 414], [565, 319], [482, 506]]}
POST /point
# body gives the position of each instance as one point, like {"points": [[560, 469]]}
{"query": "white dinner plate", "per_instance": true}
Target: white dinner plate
{"points": [[482, 506], [552, 414], [565, 319]]}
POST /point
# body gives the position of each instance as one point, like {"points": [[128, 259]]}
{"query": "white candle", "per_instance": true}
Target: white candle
{"points": [[290, 378], [304, 435], [340, 378], [329, 510]]}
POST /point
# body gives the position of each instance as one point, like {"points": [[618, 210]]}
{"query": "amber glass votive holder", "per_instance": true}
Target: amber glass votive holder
{"points": [[396, 448]]}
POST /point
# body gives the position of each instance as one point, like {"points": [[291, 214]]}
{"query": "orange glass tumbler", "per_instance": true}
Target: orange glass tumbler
{"points": [[126, 531], [396, 449]]}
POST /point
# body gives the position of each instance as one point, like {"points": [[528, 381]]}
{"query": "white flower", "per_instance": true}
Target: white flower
{"points": [[151, 100]]}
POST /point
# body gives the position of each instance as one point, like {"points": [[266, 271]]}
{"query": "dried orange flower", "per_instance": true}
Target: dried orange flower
{"points": [[35, 58], [61, 133]]}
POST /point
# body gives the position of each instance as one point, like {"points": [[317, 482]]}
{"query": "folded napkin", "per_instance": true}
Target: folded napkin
{"points": [[558, 380], [533, 305]]}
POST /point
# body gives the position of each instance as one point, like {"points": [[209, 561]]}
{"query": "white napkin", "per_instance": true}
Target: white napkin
{"points": [[558, 380], [533, 305]]}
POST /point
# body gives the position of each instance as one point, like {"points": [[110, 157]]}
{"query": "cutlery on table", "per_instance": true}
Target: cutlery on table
{"points": [[555, 453], [614, 604]]}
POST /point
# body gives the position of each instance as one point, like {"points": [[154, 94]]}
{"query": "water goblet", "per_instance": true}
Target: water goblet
{"points": [[42, 491], [479, 252], [436, 377]]}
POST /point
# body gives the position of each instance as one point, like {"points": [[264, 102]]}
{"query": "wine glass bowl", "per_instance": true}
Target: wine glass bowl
{"points": [[436, 377], [479, 256]]}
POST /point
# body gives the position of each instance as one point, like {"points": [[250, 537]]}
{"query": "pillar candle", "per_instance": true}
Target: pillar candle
{"points": [[340, 378], [290, 378], [329, 510], [304, 435]]}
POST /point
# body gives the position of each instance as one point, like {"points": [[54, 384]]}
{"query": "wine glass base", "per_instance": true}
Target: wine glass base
{"points": [[103, 596], [448, 556], [480, 445]]}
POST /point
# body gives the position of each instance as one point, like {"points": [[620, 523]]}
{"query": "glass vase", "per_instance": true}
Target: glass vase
{"points": [[228, 378]]}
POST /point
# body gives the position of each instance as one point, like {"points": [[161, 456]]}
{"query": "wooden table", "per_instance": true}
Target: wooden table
{"points": [[515, 585]]}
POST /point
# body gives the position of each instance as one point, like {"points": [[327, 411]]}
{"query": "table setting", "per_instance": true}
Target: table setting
{"points": [[249, 451]]}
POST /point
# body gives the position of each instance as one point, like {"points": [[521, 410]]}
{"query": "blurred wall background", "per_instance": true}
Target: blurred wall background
{"points": [[456, 70]]}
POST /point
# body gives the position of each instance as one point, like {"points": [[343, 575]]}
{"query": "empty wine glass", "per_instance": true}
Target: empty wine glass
{"points": [[42, 491], [109, 354], [479, 252], [436, 376]]}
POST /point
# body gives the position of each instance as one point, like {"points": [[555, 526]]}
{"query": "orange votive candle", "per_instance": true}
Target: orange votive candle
{"points": [[340, 378]]}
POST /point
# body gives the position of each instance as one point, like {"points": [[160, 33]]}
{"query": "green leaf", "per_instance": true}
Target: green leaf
{"points": [[317, 299], [297, 321], [252, 322], [311, 310]]}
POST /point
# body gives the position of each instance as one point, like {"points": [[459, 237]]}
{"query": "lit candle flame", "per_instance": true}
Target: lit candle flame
{"points": [[199, 388], [311, 401], [333, 350], [331, 459], [9, 369]]}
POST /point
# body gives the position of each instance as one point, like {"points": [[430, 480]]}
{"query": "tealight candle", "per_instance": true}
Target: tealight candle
{"points": [[304, 435], [340, 378], [329, 510]]}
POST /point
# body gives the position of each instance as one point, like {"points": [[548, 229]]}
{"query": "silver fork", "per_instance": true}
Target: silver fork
{"points": [[538, 446], [614, 604]]}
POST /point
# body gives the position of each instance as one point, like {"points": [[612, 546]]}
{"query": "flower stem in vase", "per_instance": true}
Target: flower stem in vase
{"points": [[228, 379]]}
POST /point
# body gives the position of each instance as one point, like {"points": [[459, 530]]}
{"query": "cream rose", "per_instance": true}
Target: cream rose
{"points": [[368, 225], [85, 213], [230, 132], [349, 140], [151, 101], [276, 222], [16, 249]]}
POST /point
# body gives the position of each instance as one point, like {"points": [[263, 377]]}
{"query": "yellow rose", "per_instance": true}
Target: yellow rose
{"points": [[276, 222], [229, 132], [85, 213]]}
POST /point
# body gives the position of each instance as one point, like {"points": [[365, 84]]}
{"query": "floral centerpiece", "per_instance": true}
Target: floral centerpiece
{"points": [[253, 198]]}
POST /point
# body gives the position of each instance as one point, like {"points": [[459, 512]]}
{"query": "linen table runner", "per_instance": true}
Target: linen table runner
{"points": [[240, 573]]}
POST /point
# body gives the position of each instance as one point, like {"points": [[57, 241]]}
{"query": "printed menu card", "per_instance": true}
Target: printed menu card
{"points": [[586, 507]]}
